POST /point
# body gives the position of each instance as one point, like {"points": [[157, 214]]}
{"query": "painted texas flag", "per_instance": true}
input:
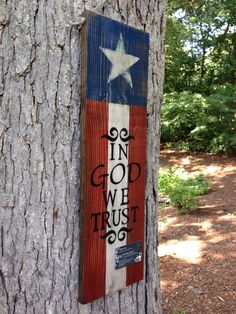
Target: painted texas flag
{"points": [[113, 156]]}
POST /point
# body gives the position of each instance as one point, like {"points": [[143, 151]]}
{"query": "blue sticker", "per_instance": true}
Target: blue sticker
{"points": [[128, 254]]}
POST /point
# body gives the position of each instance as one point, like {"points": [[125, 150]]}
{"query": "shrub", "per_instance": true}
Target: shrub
{"points": [[179, 114], [201, 123], [216, 131], [182, 192]]}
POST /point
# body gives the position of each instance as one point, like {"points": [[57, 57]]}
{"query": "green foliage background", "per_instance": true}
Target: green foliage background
{"points": [[199, 110]]}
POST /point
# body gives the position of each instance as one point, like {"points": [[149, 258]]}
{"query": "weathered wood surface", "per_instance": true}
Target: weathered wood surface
{"points": [[40, 47], [113, 156]]}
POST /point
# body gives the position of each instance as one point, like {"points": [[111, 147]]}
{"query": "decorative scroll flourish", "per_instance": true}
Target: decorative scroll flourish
{"points": [[124, 135], [111, 235], [123, 232], [114, 133]]}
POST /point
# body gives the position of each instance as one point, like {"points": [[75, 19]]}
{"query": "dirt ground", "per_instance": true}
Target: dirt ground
{"points": [[198, 250]]}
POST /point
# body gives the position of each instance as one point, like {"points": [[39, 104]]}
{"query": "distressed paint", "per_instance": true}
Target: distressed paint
{"points": [[114, 69]]}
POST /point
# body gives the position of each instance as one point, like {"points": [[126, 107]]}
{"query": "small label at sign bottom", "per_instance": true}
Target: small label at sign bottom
{"points": [[128, 254]]}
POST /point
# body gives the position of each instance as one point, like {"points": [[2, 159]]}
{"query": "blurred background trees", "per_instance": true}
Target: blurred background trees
{"points": [[199, 111]]}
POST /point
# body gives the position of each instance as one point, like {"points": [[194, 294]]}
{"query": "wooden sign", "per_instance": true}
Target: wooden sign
{"points": [[113, 157]]}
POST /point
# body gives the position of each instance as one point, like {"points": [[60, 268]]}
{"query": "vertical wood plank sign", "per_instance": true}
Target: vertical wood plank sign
{"points": [[113, 156]]}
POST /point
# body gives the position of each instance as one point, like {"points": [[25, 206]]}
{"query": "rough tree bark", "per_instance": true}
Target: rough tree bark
{"points": [[40, 45]]}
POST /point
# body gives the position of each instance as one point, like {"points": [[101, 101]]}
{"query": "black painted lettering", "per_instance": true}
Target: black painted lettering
{"points": [[125, 216], [123, 150], [124, 196], [95, 216], [110, 197], [105, 218], [117, 174], [134, 208], [116, 217], [112, 151], [95, 176]]}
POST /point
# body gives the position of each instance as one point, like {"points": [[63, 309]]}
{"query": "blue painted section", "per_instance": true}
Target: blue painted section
{"points": [[104, 32]]}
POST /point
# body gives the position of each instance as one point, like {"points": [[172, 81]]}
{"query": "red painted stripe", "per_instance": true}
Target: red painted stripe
{"points": [[93, 260], [137, 154]]}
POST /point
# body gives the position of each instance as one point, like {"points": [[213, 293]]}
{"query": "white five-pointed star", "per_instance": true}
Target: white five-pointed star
{"points": [[121, 62]]}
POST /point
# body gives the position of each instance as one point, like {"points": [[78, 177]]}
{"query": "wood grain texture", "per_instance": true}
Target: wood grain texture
{"points": [[92, 249], [137, 152], [113, 175], [40, 66]]}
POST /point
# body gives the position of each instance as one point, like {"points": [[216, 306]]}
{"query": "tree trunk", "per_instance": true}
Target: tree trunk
{"points": [[40, 46], [233, 79]]}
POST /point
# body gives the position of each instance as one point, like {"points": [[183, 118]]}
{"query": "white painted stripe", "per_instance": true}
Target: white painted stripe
{"points": [[118, 118]]}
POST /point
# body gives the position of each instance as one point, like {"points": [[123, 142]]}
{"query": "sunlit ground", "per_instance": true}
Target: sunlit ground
{"points": [[198, 250], [189, 250]]}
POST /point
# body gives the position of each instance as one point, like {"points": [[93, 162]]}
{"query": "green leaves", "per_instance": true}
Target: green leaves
{"points": [[203, 123], [200, 80], [179, 113], [182, 191], [200, 44]]}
